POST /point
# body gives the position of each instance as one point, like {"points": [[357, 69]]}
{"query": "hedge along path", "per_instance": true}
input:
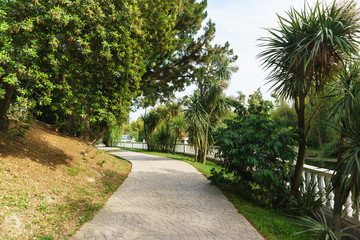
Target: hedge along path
{"points": [[165, 199]]}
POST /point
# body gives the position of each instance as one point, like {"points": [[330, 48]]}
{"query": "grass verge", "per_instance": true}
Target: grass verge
{"points": [[272, 224]]}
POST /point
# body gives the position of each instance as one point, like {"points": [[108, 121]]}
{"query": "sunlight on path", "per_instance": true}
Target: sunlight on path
{"points": [[166, 199]]}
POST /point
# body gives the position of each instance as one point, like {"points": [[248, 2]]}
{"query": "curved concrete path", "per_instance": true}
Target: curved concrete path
{"points": [[166, 199]]}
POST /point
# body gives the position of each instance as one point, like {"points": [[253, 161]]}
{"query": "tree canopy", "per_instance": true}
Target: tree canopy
{"points": [[82, 63]]}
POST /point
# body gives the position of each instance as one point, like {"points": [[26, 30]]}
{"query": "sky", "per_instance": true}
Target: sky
{"points": [[242, 23]]}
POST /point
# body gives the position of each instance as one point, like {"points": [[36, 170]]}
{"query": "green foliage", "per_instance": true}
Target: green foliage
{"points": [[113, 135], [307, 201], [170, 64], [164, 138], [331, 149], [307, 47], [135, 129], [109, 187], [258, 151], [270, 223], [283, 114], [90, 59], [151, 121], [73, 171], [46, 238], [321, 229], [89, 212], [347, 176]]}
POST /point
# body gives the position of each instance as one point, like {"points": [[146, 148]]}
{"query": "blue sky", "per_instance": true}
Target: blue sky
{"points": [[241, 23]]}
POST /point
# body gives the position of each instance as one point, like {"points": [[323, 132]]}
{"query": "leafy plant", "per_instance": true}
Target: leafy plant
{"points": [[320, 228], [258, 151], [307, 201], [113, 135], [164, 139]]}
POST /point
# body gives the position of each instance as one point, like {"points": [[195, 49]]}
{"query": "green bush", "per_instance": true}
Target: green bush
{"points": [[259, 152], [163, 138], [307, 201]]}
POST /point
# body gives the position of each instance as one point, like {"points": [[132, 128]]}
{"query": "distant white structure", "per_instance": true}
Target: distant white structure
{"points": [[126, 138], [185, 140]]}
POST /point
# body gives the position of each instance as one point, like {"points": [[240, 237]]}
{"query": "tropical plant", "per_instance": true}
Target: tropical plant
{"points": [[308, 201], [346, 91], [321, 229], [212, 80], [151, 121], [178, 126], [302, 53], [195, 117], [257, 151], [164, 138]]}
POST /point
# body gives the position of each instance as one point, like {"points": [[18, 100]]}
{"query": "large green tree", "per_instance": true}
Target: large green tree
{"points": [[21, 44], [88, 57], [307, 47], [170, 64], [84, 56]]}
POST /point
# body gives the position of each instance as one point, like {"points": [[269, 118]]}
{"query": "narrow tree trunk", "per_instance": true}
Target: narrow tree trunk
{"points": [[207, 136], [196, 153], [296, 180], [4, 107], [206, 143]]}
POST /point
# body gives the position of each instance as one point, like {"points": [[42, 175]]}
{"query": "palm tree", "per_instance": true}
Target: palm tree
{"points": [[178, 127], [302, 53], [195, 116], [212, 81], [217, 107], [151, 121], [346, 91]]}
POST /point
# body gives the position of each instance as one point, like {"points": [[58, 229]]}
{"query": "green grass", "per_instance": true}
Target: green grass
{"points": [[272, 224]]}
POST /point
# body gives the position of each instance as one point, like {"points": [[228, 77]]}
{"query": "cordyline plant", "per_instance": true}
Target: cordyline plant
{"points": [[302, 53]]}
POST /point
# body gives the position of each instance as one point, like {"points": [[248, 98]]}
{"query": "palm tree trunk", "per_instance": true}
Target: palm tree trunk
{"points": [[207, 136], [196, 152], [4, 107], [296, 180]]}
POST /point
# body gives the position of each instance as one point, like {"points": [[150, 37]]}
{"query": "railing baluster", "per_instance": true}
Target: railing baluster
{"points": [[356, 213], [330, 200], [348, 206], [322, 189]]}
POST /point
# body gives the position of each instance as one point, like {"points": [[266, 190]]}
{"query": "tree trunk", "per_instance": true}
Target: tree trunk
{"points": [[196, 153], [206, 143], [296, 180], [207, 136], [4, 107]]}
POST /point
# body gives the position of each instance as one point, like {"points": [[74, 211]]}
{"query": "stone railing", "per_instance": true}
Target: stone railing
{"points": [[319, 176]]}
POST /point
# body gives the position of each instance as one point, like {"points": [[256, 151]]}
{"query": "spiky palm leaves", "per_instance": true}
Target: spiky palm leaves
{"points": [[195, 116], [346, 109], [303, 52]]}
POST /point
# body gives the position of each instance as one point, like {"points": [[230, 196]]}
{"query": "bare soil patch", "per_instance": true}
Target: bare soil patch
{"points": [[48, 188]]}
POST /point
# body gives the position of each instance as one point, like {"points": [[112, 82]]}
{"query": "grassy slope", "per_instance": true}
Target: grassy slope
{"points": [[48, 188], [271, 224]]}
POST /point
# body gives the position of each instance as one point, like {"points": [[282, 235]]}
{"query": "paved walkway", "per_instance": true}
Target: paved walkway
{"points": [[166, 199]]}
